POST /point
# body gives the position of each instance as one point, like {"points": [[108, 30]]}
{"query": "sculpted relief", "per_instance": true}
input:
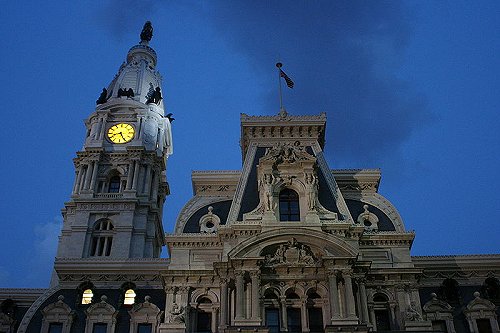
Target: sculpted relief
{"points": [[289, 253]]}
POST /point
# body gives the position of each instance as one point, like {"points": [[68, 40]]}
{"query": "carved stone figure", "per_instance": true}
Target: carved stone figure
{"points": [[103, 97], [267, 184], [412, 313], [311, 190], [177, 314], [147, 31]]}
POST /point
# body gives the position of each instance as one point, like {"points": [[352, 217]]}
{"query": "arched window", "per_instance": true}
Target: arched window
{"points": [[449, 292], [102, 239], [87, 296], [129, 297], [114, 184], [289, 205], [382, 314]]}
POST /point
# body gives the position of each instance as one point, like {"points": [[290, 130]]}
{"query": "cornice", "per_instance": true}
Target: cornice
{"points": [[444, 262], [23, 297], [215, 183], [103, 264], [193, 240], [357, 180], [387, 238], [246, 119]]}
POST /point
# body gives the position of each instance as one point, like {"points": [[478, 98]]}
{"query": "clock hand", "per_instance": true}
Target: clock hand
{"points": [[122, 136]]}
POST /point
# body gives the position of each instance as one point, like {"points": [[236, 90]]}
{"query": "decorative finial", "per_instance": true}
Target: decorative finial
{"points": [[147, 32]]}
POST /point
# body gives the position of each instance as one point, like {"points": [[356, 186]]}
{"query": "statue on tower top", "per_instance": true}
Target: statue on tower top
{"points": [[147, 32]]}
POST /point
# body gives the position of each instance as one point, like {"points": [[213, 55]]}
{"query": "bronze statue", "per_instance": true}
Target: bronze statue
{"points": [[154, 97], [125, 92], [103, 97], [170, 118], [147, 32]]}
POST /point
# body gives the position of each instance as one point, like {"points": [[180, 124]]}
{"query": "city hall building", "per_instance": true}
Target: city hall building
{"points": [[286, 244]]}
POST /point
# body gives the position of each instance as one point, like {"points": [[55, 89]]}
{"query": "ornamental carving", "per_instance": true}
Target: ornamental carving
{"points": [[289, 253], [368, 219], [209, 223], [286, 153], [177, 315]]}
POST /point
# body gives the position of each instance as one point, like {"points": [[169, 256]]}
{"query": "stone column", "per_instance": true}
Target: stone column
{"points": [[169, 301], [147, 183], [240, 290], [392, 307], [223, 304], [129, 175], [372, 316], [76, 185], [81, 182], [94, 175], [255, 275], [136, 174], [334, 294], [154, 193], [88, 175], [102, 129], [214, 319], [364, 300], [303, 315], [284, 318], [349, 295]]}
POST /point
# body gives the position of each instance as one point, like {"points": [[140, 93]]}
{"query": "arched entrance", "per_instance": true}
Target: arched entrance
{"points": [[203, 316]]}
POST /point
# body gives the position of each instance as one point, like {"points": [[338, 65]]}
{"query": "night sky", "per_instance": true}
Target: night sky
{"points": [[411, 88]]}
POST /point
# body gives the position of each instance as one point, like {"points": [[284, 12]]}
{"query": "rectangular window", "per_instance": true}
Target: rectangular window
{"points": [[100, 328], [55, 327], [484, 326], [439, 326], [144, 328], [294, 320], [273, 320], [315, 320]]}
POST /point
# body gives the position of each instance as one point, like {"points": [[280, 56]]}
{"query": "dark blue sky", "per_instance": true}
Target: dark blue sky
{"points": [[408, 87]]}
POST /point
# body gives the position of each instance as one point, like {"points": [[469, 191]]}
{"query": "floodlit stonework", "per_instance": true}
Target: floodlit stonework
{"points": [[284, 245]]}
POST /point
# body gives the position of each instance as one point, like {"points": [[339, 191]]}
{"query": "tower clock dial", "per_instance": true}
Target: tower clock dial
{"points": [[121, 133]]}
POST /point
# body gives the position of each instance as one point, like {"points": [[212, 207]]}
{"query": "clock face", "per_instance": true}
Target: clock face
{"points": [[121, 133]]}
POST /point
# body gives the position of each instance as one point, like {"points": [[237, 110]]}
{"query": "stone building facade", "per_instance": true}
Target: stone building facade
{"points": [[286, 244]]}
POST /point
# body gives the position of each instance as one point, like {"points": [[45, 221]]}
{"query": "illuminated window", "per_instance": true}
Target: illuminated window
{"points": [[114, 184], [129, 297], [102, 239], [87, 296], [289, 205]]}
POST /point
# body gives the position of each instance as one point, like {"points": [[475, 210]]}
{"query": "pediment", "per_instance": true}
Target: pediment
{"points": [[313, 243]]}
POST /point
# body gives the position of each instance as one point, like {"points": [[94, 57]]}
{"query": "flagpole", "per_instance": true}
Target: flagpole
{"points": [[279, 65]]}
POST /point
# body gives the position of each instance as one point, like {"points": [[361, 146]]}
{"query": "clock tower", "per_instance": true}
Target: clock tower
{"points": [[115, 210]]}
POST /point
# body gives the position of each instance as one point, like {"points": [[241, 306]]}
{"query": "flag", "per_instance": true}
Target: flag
{"points": [[289, 81]]}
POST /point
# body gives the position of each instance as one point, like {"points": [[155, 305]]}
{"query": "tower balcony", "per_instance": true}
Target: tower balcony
{"points": [[108, 195]]}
